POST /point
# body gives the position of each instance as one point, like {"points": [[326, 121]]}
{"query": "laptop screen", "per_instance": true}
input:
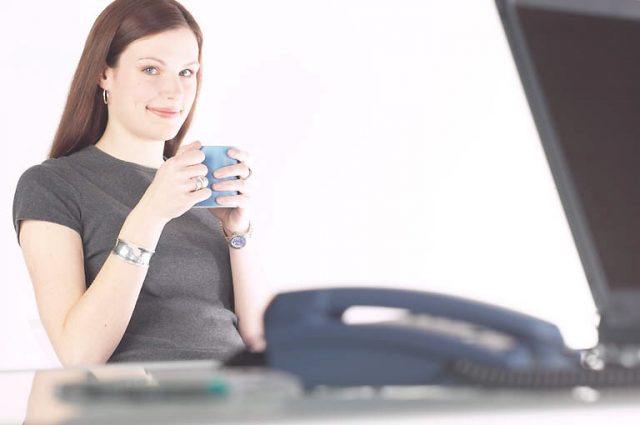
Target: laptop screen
{"points": [[589, 71], [580, 64]]}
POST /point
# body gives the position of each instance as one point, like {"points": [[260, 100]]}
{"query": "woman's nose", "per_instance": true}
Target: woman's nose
{"points": [[171, 87]]}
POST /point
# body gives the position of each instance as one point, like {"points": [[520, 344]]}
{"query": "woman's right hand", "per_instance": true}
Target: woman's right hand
{"points": [[171, 192]]}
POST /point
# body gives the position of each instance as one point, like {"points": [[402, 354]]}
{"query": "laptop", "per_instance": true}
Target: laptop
{"points": [[579, 62]]}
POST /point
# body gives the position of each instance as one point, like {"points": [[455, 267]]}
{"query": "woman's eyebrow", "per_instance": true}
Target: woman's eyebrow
{"points": [[162, 62]]}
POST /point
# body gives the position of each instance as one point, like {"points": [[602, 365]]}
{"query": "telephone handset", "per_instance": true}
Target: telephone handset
{"points": [[442, 340]]}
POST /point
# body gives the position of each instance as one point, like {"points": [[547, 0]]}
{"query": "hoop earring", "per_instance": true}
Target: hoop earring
{"points": [[105, 97]]}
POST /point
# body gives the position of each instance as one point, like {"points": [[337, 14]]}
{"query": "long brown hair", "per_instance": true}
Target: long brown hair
{"points": [[84, 119]]}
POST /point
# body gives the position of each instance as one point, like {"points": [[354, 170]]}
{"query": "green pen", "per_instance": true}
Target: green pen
{"points": [[143, 390]]}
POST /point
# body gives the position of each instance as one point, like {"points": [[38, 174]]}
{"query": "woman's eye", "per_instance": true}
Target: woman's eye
{"points": [[186, 73], [151, 70]]}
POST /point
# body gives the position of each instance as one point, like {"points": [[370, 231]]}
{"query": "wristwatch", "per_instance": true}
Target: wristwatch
{"points": [[237, 240]]}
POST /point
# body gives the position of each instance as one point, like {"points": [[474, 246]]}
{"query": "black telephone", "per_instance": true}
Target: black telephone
{"points": [[442, 340]]}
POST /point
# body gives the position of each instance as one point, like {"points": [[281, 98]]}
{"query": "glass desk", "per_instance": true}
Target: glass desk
{"points": [[201, 392]]}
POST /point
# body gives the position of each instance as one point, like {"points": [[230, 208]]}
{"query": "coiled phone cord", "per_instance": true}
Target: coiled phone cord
{"points": [[488, 376]]}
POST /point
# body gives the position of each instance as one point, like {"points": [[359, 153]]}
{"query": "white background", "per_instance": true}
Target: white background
{"points": [[393, 145]]}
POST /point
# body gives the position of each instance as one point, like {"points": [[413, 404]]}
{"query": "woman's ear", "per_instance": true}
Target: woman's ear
{"points": [[106, 77]]}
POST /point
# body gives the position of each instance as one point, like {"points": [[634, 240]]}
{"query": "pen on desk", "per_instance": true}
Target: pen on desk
{"points": [[136, 390]]}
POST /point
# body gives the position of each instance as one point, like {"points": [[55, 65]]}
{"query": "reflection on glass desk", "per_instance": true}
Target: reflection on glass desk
{"points": [[201, 392]]}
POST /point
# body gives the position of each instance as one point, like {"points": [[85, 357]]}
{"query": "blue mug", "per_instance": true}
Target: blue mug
{"points": [[216, 157]]}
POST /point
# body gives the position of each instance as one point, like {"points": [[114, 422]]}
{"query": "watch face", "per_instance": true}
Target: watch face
{"points": [[237, 242]]}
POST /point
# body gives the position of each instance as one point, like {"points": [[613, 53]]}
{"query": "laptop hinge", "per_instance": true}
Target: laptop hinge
{"points": [[618, 333]]}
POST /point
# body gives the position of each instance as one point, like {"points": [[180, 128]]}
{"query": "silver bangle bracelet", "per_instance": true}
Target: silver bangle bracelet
{"points": [[132, 254]]}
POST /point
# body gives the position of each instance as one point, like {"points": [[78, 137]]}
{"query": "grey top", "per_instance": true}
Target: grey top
{"points": [[185, 307]]}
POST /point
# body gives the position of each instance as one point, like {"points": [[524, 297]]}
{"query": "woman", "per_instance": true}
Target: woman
{"points": [[123, 269]]}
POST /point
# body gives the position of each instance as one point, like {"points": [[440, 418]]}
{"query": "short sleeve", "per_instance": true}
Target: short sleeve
{"points": [[42, 194]]}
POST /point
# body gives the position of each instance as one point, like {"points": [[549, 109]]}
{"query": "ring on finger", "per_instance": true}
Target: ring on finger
{"points": [[201, 182]]}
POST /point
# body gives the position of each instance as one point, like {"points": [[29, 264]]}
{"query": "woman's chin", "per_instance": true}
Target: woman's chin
{"points": [[164, 134]]}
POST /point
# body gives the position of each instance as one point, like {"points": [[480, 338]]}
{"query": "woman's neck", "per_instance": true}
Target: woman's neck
{"points": [[147, 153]]}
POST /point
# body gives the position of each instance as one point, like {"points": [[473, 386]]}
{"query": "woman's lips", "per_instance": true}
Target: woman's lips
{"points": [[165, 113]]}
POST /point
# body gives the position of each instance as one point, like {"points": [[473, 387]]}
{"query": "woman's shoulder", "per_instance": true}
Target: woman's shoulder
{"points": [[46, 172], [60, 173], [61, 167], [48, 191]]}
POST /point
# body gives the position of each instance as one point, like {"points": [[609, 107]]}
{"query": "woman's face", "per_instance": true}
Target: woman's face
{"points": [[153, 86]]}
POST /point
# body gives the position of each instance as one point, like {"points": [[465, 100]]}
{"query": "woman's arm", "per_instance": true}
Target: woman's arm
{"points": [[251, 291], [251, 294], [84, 325]]}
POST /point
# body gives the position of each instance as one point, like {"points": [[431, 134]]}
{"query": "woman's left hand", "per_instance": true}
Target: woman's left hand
{"points": [[234, 218]]}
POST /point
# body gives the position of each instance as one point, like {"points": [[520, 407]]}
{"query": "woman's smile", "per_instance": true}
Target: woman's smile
{"points": [[165, 113]]}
